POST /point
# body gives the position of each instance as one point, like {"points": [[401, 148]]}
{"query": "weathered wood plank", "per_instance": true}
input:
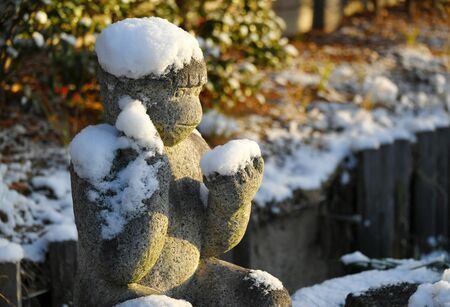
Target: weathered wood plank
{"points": [[442, 184], [375, 201], [10, 285], [424, 191], [402, 173], [339, 216], [62, 261], [447, 137]]}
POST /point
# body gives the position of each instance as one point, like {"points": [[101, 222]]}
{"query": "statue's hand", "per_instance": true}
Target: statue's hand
{"points": [[229, 206], [241, 185]]}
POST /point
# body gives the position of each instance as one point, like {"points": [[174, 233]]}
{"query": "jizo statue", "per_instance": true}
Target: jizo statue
{"points": [[147, 225]]}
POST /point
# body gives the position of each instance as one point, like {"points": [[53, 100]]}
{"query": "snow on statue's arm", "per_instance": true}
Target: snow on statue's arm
{"points": [[232, 174], [127, 177]]}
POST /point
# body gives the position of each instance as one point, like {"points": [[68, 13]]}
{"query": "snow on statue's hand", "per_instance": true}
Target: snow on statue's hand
{"points": [[244, 182], [233, 170]]}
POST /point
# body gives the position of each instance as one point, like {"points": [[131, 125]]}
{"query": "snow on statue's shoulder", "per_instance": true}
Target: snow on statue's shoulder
{"points": [[136, 47], [229, 158], [155, 301], [93, 150]]}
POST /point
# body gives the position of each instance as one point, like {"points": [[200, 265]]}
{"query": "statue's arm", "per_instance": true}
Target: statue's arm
{"points": [[229, 207], [129, 256], [134, 251]]}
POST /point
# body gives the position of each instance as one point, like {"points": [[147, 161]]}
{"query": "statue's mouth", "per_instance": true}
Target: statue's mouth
{"points": [[186, 125]]}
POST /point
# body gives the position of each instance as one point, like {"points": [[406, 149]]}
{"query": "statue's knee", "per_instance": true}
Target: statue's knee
{"points": [[263, 289], [259, 296], [279, 298]]}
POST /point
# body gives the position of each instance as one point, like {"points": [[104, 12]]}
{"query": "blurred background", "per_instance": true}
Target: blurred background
{"points": [[48, 62], [349, 101]]}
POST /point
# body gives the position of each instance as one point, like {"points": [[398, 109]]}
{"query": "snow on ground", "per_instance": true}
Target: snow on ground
{"points": [[58, 182], [354, 257], [332, 293], [11, 252], [295, 77], [135, 47], [38, 219], [28, 223], [432, 295], [155, 301], [215, 123], [380, 90]]}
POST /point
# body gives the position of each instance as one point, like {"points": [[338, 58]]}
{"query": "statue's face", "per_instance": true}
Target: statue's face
{"points": [[175, 112], [172, 101]]}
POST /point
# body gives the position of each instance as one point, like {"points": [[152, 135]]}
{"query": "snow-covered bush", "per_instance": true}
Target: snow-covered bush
{"points": [[57, 38], [239, 38]]}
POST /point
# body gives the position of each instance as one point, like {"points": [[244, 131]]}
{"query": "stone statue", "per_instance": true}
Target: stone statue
{"points": [[170, 248]]}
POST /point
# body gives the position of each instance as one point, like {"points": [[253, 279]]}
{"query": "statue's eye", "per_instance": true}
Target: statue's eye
{"points": [[179, 93]]}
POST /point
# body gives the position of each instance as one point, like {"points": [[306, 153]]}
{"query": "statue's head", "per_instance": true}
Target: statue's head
{"points": [[172, 100], [170, 93]]}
